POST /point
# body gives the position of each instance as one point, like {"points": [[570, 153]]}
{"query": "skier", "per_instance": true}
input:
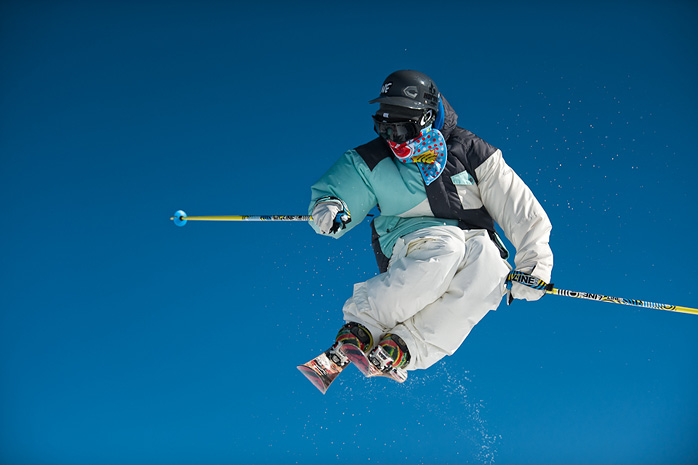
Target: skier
{"points": [[439, 189]]}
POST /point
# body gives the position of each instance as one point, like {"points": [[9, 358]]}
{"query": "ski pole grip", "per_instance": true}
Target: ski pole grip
{"points": [[529, 280]]}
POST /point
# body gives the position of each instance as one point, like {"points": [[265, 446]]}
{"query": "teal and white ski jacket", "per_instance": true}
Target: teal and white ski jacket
{"points": [[475, 189]]}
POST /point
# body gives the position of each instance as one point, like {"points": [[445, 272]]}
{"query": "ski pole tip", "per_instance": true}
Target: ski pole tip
{"points": [[180, 218]]}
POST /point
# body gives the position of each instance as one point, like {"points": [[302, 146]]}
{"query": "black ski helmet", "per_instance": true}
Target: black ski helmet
{"points": [[410, 89]]}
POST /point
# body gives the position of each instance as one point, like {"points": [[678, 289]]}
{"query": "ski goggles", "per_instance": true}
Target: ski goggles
{"points": [[398, 131]]}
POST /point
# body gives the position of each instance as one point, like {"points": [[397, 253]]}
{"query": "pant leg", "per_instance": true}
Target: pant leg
{"points": [[442, 326], [420, 271]]}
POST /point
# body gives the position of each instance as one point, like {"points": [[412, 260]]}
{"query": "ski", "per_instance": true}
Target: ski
{"points": [[368, 369], [321, 371]]}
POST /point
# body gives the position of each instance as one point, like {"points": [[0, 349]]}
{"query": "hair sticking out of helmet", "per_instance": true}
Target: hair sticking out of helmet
{"points": [[440, 115]]}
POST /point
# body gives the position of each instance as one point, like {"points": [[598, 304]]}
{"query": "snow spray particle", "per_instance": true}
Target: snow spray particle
{"points": [[453, 406], [432, 406]]}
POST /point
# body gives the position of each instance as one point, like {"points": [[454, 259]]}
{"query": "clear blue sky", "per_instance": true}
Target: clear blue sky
{"points": [[127, 340]]}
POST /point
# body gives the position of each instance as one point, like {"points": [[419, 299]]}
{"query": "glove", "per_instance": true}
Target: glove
{"points": [[519, 291], [523, 292], [329, 216]]}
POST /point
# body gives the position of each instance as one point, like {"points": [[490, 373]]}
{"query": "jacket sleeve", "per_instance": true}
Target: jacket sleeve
{"points": [[346, 180], [522, 218]]}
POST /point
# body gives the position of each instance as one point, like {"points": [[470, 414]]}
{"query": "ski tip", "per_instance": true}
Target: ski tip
{"points": [[313, 378], [179, 218]]}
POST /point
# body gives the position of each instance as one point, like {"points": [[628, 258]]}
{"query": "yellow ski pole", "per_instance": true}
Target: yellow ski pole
{"points": [[180, 218], [535, 283]]}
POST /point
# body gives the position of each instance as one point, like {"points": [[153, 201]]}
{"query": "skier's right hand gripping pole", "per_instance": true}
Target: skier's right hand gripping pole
{"points": [[330, 215]]}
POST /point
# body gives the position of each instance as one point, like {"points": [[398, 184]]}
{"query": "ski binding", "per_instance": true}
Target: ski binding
{"points": [[368, 369]]}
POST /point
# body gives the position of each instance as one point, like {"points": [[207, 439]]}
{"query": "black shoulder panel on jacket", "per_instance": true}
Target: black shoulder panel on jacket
{"points": [[476, 149], [373, 152]]}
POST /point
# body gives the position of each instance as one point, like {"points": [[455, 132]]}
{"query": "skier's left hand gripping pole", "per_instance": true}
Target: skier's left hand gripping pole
{"points": [[180, 218]]}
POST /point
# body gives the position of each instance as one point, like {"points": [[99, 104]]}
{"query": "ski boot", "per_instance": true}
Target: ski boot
{"points": [[325, 368], [351, 334], [391, 356], [388, 359]]}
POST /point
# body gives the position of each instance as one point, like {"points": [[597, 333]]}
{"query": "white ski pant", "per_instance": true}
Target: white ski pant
{"points": [[441, 281]]}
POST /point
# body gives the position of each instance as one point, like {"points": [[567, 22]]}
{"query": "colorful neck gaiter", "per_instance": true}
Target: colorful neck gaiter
{"points": [[428, 151]]}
